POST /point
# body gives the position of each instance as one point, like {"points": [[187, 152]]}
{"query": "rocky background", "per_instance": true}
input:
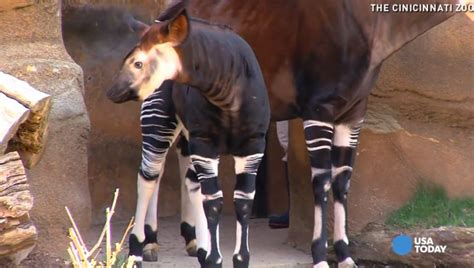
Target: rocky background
{"points": [[114, 142], [32, 49]]}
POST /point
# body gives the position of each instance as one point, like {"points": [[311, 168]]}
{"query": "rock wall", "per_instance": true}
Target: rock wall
{"points": [[98, 42], [33, 50], [419, 128]]}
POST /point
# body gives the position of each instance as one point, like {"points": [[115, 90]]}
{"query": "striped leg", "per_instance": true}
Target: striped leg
{"points": [[205, 160], [197, 213], [188, 231], [150, 251], [246, 168], [318, 137], [343, 154], [159, 130]]}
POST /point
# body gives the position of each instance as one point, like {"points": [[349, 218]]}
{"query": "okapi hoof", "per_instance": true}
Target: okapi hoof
{"points": [[137, 264], [321, 264], [241, 261], [347, 263], [188, 232], [201, 255], [191, 248], [213, 261], [150, 252], [213, 265], [135, 246]]}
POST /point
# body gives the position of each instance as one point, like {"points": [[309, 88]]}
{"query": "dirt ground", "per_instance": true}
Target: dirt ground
{"points": [[268, 247], [39, 259]]}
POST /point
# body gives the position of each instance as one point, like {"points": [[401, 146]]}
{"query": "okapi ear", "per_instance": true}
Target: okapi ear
{"points": [[178, 29], [174, 23]]}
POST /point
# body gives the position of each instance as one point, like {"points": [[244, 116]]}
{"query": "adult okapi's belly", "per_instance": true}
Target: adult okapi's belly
{"points": [[282, 94]]}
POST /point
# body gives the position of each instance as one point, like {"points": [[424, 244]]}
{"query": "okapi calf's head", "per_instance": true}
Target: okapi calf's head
{"points": [[154, 59]]}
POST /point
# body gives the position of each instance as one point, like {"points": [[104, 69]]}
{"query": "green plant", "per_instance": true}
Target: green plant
{"points": [[430, 207]]}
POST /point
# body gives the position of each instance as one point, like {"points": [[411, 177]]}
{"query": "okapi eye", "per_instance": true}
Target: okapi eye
{"points": [[138, 64]]}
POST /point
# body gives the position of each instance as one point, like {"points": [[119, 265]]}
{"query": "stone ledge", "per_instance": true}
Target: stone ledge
{"points": [[12, 4], [374, 244]]}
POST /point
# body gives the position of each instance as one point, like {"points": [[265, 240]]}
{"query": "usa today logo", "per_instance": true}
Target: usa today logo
{"points": [[404, 244]]}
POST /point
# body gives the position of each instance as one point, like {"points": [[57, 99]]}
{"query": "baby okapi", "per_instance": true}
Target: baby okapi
{"points": [[219, 101]]}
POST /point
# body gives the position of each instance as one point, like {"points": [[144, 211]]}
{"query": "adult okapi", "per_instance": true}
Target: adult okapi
{"points": [[320, 59], [218, 99]]}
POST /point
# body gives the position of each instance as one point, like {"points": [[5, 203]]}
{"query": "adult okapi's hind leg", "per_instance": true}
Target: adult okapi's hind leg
{"points": [[331, 148]]}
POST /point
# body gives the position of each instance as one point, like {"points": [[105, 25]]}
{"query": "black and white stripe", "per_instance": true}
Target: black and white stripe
{"points": [[346, 138], [319, 135], [347, 135], [247, 164], [159, 130], [246, 168], [319, 141]]}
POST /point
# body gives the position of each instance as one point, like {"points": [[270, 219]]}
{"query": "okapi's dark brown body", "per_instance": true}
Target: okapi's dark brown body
{"points": [[326, 52]]}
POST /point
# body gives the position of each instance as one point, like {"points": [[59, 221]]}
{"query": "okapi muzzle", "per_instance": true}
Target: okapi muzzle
{"points": [[122, 90]]}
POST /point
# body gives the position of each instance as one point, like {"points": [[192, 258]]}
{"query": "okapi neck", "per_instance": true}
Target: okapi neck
{"points": [[215, 62]]}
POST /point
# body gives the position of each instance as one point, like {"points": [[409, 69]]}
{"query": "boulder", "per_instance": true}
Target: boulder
{"points": [[374, 244], [32, 50]]}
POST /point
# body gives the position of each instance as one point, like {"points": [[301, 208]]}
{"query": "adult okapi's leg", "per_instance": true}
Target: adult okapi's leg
{"points": [[246, 168], [205, 159], [188, 230], [319, 137], [343, 153]]}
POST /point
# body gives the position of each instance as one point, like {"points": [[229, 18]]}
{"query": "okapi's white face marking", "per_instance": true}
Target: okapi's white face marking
{"points": [[154, 59], [151, 68], [143, 71]]}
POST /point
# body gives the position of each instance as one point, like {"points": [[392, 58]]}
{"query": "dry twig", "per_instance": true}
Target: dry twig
{"points": [[82, 257]]}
